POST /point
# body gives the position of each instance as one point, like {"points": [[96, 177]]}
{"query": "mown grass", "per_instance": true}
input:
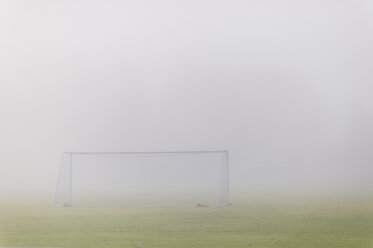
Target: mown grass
{"points": [[253, 223]]}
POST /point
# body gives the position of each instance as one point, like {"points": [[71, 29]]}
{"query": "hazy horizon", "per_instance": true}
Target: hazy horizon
{"points": [[284, 86]]}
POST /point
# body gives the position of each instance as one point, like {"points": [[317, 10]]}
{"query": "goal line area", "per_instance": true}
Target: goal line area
{"points": [[149, 179]]}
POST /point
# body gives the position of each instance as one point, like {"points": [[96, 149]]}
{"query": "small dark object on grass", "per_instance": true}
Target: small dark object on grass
{"points": [[199, 205], [66, 205]]}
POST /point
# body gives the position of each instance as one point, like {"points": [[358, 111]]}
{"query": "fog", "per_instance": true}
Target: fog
{"points": [[285, 86]]}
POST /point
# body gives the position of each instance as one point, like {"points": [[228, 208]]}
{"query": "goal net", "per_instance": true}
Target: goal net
{"points": [[164, 179]]}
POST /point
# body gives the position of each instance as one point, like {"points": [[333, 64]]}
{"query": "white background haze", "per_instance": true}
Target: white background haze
{"points": [[285, 86]]}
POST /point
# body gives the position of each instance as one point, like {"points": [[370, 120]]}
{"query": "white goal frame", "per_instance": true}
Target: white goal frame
{"points": [[67, 164]]}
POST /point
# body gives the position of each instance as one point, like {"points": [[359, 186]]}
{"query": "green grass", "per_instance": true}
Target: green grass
{"points": [[255, 223]]}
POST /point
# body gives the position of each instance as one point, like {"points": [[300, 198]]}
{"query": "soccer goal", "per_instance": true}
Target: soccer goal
{"points": [[159, 179]]}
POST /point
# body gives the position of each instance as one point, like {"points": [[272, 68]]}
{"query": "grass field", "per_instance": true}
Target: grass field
{"points": [[288, 222]]}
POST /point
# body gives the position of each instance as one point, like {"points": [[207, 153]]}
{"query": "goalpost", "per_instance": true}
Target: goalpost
{"points": [[164, 179]]}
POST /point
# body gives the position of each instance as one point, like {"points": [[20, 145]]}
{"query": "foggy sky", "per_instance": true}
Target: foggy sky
{"points": [[285, 86]]}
